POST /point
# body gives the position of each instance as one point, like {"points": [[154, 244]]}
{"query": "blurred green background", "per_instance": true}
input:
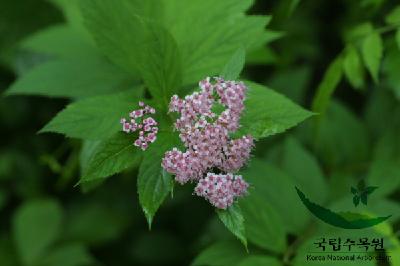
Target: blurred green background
{"points": [[43, 214]]}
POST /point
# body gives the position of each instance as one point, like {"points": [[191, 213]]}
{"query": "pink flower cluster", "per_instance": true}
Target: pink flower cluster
{"points": [[147, 127], [205, 134], [221, 190]]}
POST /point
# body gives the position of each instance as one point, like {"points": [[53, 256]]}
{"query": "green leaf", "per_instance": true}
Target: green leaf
{"points": [[233, 219], [154, 183], [260, 260], [384, 173], [384, 169], [393, 17], [73, 16], [372, 51], [206, 44], [268, 112], [220, 254], [385, 206], [60, 41], [83, 225], [36, 225], [235, 65], [75, 78], [68, 255], [397, 36], [264, 226], [354, 34], [124, 33], [95, 118], [292, 82], [354, 190], [111, 156], [390, 69], [276, 187], [304, 171], [292, 6], [337, 147], [261, 56], [353, 67], [325, 90]]}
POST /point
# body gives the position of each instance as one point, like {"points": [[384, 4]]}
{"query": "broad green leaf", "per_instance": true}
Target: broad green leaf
{"points": [[261, 56], [221, 254], [353, 67], [206, 44], [75, 78], [278, 189], [384, 168], [390, 69], [124, 33], [337, 147], [154, 183], [83, 225], [16, 22], [264, 226], [68, 255], [111, 156], [372, 51], [292, 6], [385, 174], [235, 65], [303, 167], [293, 83], [260, 260], [393, 17], [385, 206], [381, 103], [88, 149], [268, 112], [60, 41], [327, 86], [36, 225], [354, 34], [95, 118], [73, 15], [233, 219], [397, 36]]}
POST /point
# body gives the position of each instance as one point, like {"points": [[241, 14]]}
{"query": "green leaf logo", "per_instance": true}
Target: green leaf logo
{"points": [[346, 220], [361, 193]]}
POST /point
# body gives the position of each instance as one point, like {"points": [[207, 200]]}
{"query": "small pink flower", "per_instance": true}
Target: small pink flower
{"points": [[148, 124], [221, 190]]}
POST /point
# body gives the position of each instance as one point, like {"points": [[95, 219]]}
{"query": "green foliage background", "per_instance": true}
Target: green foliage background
{"points": [[323, 104]]}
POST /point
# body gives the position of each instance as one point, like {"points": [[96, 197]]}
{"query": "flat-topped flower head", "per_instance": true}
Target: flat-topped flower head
{"points": [[205, 133], [221, 190], [142, 123]]}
